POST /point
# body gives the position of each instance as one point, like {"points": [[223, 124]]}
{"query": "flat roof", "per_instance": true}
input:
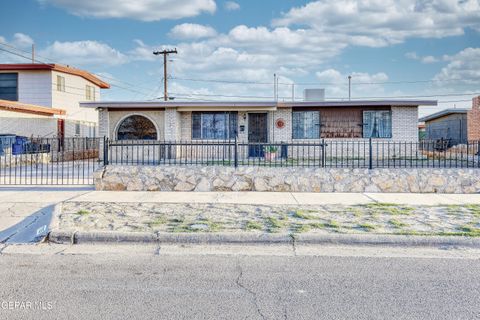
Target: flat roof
{"points": [[254, 104], [443, 113], [16, 106], [56, 67]]}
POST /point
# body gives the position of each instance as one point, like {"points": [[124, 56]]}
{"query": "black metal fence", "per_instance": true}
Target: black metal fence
{"points": [[49, 161], [367, 153]]}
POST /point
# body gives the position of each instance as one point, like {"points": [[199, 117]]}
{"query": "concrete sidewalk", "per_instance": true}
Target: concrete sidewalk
{"points": [[23, 209], [57, 194]]}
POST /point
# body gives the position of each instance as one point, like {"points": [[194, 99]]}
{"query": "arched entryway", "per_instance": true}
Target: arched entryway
{"points": [[136, 127]]}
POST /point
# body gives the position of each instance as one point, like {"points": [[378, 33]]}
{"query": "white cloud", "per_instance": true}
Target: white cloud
{"points": [[22, 41], [383, 22], [231, 6], [83, 53], [463, 66], [21, 44], [363, 83], [145, 10], [423, 59], [192, 31]]}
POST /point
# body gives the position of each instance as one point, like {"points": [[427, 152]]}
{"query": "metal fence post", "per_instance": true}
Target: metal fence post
{"points": [[478, 153], [105, 151], [235, 153], [370, 154], [323, 153]]}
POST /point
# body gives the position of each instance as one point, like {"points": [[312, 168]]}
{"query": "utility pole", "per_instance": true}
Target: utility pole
{"points": [[33, 53], [349, 88], [165, 53]]}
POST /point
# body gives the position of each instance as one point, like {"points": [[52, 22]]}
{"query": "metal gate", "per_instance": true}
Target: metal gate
{"points": [[48, 161]]}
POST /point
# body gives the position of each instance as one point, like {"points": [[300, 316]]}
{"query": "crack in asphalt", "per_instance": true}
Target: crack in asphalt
{"points": [[294, 246], [251, 292]]}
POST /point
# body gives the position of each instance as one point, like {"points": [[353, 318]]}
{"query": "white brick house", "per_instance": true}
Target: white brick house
{"points": [[267, 122], [49, 86]]}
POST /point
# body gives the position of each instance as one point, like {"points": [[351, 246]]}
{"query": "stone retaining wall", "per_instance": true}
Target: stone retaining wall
{"points": [[189, 178]]}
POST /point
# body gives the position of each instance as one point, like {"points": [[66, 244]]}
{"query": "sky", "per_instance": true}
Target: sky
{"points": [[230, 50]]}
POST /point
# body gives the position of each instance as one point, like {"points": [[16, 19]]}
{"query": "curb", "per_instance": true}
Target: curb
{"points": [[113, 237]]}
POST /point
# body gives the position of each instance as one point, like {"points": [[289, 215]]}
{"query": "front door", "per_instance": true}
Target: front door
{"points": [[257, 133]]}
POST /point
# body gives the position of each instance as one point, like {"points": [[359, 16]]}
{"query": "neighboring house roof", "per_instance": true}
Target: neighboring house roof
{"points": [[29, 108], [56, 67], [442, 113], [254, 104]]}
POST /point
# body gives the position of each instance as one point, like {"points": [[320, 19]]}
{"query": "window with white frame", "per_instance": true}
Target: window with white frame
{"points": [[306, 125], [214, 125], [60, 83], [89, 92], [77, 129], [377, 124]]}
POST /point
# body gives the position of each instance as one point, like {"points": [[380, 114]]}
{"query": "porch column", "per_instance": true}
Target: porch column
{"points": [[172, 124], [103, 129]]}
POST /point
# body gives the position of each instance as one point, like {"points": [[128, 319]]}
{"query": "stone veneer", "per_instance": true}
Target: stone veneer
{"points": [[190, 178]]}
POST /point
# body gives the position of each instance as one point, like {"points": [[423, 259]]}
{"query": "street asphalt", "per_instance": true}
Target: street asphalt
{"points": [[75, 282]]}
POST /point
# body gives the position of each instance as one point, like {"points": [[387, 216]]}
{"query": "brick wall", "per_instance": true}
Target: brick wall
{"points": [[405, 124], [281, 134], [473, 120]]}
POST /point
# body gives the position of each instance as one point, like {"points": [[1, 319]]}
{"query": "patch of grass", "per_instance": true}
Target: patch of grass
{"points": [[273, 224], [299, 228], [356, 211], [332, 224], [300, 214], [397, 223], [253, 225], [83, 212], [473, 208], [317, 225], [470, 231], [177, 220], [157, 222], [389, 208], [367, 226]]}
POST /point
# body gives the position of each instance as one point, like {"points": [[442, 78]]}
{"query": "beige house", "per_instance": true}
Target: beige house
{"points": [[49, 86]]}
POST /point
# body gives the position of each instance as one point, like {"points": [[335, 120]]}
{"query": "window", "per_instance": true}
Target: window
{"points": [[136, 128], [8, 86], [77, 129], [60, 83], [306, 124], [214, 125], [377, 124], [89, 92]]}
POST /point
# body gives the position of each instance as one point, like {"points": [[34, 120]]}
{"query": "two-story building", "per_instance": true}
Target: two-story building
{"points": [[42, 100]]}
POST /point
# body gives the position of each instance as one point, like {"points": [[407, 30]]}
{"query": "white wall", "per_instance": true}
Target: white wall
{"points": [[28, 125], [74, 93], [34, 87]]}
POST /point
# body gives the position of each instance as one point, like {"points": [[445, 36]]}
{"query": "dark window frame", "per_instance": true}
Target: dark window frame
{"points": [[305, 134], [230, 125], [5, 93]]}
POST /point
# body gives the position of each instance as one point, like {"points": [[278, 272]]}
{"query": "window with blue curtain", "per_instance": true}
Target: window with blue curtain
{"points": [[214, 125], [9, 86], [306, 124], [377, 124]]}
